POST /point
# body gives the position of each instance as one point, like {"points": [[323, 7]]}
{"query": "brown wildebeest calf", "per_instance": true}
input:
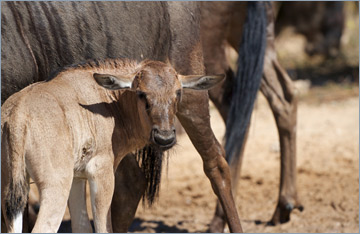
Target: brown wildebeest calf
{"points": [[71, 128]]}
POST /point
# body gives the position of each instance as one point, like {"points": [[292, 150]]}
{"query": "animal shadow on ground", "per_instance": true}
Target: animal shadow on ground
{"points": [[258, 222], [319, 76], [137, 225], [65, 226], [158, 226]]}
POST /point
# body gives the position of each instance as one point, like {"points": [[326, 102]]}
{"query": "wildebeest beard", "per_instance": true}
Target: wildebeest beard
{"points": [[150, 160]]}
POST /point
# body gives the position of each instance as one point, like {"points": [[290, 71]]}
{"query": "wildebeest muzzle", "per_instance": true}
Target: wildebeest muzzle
{"points": [[164, 139]]}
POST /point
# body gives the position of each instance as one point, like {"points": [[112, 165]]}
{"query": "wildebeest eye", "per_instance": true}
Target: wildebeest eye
{"points": [[138, 76], [142, 96], [178, 94]]}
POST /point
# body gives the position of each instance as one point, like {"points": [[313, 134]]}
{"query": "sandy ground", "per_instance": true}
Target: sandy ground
{"points": [[328, 175]]}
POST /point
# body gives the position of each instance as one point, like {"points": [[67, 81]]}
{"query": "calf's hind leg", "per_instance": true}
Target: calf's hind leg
{"points": [[53, 179], [53, 199]]}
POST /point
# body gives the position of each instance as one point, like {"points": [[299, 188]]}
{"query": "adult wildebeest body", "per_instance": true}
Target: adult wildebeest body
{"points": [[71, 129], [40, 37]]}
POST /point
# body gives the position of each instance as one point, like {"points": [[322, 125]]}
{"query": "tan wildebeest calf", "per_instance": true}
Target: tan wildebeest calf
{"points": [[72, 129]]}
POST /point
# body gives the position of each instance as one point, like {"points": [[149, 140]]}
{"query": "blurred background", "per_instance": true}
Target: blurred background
{"points": [[320, 48], [318, 45]]}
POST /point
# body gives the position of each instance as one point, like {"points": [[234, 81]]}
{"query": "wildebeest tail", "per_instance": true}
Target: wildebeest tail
{"points": [[150, 160], [248, 77], [14, 186]]}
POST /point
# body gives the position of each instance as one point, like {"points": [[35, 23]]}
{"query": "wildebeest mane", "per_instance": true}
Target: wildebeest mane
{"points": [[90, 64]]}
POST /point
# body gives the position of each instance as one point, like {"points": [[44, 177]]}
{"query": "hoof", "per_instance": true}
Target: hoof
{"points": [[300, 207], [283, 211], [289, 207], [217, 225]]}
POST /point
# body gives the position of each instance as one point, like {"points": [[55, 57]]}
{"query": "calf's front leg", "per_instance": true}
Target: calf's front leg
{"points": [[194, 116], [80, 222]]}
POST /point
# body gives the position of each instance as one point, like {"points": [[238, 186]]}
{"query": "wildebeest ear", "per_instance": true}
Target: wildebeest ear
{"points": [[113, 82], [199, 82]]}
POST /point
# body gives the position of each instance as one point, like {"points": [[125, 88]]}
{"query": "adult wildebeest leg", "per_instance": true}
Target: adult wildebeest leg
{"points": [[276, 85], [215, 27], [194, 117], [80, 222], [3, 224], [235, 98], [193, 110], [222, 103], [279, 91], [221, 97], [130, 185]]}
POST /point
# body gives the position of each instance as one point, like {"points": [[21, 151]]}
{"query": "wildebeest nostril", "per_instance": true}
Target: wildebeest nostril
{"points": [[164, 138]]}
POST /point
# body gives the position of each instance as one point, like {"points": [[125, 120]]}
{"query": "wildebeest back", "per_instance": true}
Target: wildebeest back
{"points": [[40, 37]]}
